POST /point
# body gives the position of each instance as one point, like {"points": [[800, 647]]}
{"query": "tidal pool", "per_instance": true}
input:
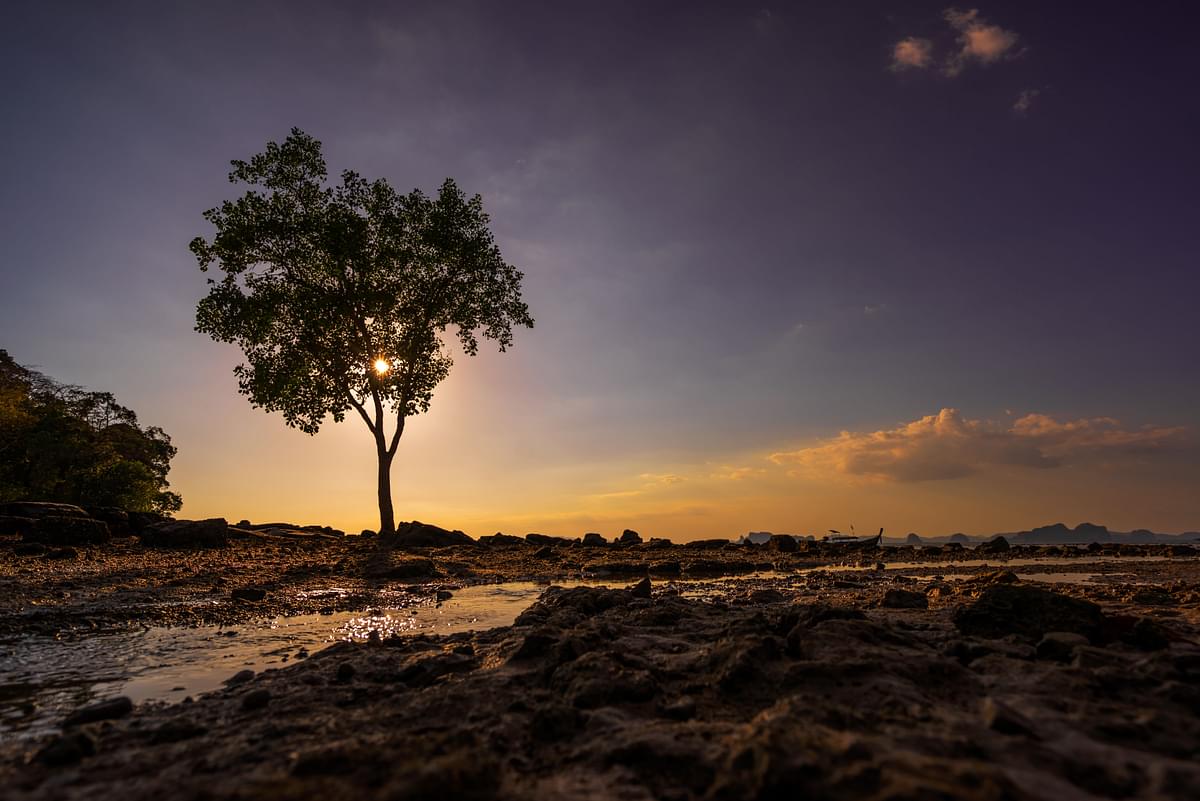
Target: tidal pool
{"points": [[43, 679]]}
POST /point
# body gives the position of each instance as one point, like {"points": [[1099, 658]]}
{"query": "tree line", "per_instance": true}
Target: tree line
{"points": [[60, 442]]}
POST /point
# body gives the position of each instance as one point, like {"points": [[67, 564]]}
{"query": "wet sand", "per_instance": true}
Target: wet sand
{"points": [[737, 673]]}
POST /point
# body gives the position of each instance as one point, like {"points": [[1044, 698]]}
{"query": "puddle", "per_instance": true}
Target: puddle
{"points": [[41, 679]]}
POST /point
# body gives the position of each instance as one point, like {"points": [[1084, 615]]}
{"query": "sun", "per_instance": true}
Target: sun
{"points": [[381, 366]]}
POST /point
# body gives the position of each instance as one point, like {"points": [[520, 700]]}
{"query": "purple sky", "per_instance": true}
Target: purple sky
{"points": [[743, 231]]}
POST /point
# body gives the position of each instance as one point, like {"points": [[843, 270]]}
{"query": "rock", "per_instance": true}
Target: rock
{"points": [[679, 709], [425, 535], [427, 671], [253, 594], [1003, 609], [105, 710], [594, 540], [784, 543], [545, 552], [1059, 646], [30, 549], [366, 533], [546, 539], [140, 521], [66, 749], [62, 553], [765, 595], [117, 519], [14, 526], [665, 568], [397, 567], [904, 599], [345, 672], [241, 677], [996, 577], [67, 530], [256, 699], [999, 716], [40, 509], [997, 545], [210, 533], [176, 731], [555, 723], [629, 537], [641, 589], [1148, 635], [502, 539]]}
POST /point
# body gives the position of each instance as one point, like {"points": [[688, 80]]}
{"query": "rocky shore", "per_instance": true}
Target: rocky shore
{"points": [[796, 680]]}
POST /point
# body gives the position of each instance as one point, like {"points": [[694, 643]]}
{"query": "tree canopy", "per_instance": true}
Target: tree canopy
{"points": [[340, 295], [60, 442]]}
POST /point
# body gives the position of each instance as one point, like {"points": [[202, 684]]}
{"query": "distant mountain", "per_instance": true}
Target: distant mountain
{"points": [[1053, 534]]}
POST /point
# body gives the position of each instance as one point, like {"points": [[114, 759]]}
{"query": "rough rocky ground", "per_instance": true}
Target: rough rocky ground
{"points": [[77, 591], [819, 684]]}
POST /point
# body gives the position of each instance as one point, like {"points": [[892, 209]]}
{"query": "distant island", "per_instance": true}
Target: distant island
{"points": [[1053, 534]]}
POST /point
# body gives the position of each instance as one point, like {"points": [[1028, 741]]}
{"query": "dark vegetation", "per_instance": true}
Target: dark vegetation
{"points": [[63, 443], [340, 296]]}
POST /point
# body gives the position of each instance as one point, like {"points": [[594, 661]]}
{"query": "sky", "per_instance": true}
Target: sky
{"points": [[793, 266]]}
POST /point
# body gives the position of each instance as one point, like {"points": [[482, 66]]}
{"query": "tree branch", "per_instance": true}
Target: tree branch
{"points": [[361, 410]]}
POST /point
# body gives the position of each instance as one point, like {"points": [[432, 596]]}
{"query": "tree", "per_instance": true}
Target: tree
{"points": [[63, 443], [339, 296]]}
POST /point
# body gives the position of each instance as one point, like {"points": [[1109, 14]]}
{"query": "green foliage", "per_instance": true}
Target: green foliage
{"points": [[318, 281], [63, 443]]}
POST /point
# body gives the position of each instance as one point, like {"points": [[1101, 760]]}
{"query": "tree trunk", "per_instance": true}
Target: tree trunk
{"points": [[387, 518]]}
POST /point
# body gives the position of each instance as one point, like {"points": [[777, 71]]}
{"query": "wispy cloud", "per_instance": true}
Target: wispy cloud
{"points": [[1025, 100], [979, 41], [947, 446], [736, 473], [912, 54], [661, 478]]}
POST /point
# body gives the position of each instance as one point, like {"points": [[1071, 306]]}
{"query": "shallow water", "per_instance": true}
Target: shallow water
{"points": [[42, 679]]}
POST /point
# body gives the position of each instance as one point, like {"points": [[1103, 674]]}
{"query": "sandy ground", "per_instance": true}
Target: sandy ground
{"points": [[935, 681]]}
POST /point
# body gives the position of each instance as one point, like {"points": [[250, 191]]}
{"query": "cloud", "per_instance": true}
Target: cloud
{"points": [[976, 41], [948, 446], [912, 54], [979, 41], [661, 478], [731, 473], [1025, 100]]}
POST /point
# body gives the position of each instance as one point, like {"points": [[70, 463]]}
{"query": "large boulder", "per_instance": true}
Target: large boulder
{"points": [[117, 519], [629, 537], [502, 539], [425, 535], [997, 545], [1003, 609], [594, 540], [211, 533], [67, 530], [37, 509], [14, 526], [784, 543], [546, 539], [140, 521]]}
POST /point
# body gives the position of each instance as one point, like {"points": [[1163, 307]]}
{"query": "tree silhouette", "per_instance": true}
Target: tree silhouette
{"points": [[339, 295], [60, 442]]}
